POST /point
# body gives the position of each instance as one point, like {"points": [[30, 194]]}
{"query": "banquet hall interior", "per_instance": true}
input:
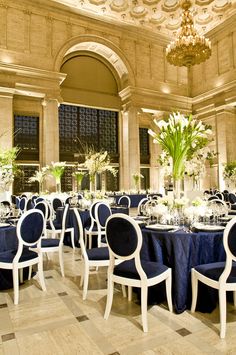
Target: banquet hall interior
{"points": [[80, 79]]}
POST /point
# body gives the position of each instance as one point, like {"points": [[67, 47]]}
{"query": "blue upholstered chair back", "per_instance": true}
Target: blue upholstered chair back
{"points": [[102, 212], [68, 200], [56, 202], [229, 241], [30, 227], [124, 201], [22, 203], [29, 205], [124, 236], [43, 206], [232, 197], [80, 196]]}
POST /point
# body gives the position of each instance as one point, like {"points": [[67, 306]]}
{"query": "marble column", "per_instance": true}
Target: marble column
{"points": [[129, 147], [50, 137], [225, 139], [6, 119]]}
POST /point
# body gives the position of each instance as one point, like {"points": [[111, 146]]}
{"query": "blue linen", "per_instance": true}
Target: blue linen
{"points": [[181, 251]]}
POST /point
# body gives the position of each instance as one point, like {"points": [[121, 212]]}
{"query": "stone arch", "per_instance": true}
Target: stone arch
{"points": [[104, 48]]}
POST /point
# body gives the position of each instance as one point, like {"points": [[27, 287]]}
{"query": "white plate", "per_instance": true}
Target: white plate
{"points": [[4, 225], [141, 218], [161, 227], [208, 227], [228, 218]]}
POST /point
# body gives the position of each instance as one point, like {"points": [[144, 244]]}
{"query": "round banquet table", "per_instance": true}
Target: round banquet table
{"points": [[181, 251]]}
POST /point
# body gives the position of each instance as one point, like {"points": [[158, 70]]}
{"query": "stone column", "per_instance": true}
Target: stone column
{"points": [[225, 140], [6, 119], [156, 178], [50, 137], [129, 147]]}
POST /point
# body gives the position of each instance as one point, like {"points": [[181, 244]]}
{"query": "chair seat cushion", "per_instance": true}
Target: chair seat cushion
{"points": [[56, 224], [8, 256], [50, 242], [128, 269], [214, 271], [98, 253]]}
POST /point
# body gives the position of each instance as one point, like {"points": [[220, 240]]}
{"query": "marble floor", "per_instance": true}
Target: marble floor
{"points": [[59, 322]]}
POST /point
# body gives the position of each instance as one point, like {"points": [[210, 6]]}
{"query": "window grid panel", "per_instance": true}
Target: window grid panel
{"points": [[26, 136], [21, 181], [144, 145], [66, 179]]}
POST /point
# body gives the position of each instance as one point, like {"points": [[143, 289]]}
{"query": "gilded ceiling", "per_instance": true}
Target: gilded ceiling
{"points": [[162, 16]]}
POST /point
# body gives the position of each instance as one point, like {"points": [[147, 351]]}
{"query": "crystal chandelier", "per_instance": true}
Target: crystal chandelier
{"points": [[189, 48]]}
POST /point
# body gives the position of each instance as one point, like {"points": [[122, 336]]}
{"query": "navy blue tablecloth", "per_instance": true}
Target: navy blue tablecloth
{"points": [[181, 251]]}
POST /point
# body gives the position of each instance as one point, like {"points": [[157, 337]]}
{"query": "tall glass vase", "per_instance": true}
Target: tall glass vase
{"points": [[58, 185], [93, 183], [177, 187]]}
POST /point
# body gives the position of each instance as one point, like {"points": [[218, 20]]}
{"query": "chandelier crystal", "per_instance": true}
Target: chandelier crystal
{"points": [[189, 48]]}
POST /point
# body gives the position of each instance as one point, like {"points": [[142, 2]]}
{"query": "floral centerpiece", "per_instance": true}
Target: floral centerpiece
{"points": [[97, 163], [8, 168], [180, 137], [229, 173], [57, 169], [137, 177], [39, 176]]}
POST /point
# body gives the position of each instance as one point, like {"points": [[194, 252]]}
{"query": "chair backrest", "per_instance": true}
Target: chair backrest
{"points": [[43, 206], [232, 197], [217, 201], [220, 195], [213, 197], [124, 201], [68, 200], [141, 203], [22, 204], [102, 212], [81, 233], [56, 202], [80, 196], [29, 230], [65, 217], [34, 198], [29, 205], [38, 199], [230, 248], [124, 237]]}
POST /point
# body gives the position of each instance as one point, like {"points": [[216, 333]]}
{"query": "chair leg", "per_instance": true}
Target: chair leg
{"points": [[72, 234], [110, 291], [222, 306], [21, 275], [90, 241], [124, 291], [86, 280], [61, 262], [144, 291], [82, 275], [194, 282], [15, 285], [168, 293], [234, 293], [41, 274], [129, 293], [30, 272]]}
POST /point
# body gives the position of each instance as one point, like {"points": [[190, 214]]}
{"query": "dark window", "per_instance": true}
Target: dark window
{"points": [[145, 182], [81, 126], [21, 180], [66, 179], [26, 137], [144, 146]]}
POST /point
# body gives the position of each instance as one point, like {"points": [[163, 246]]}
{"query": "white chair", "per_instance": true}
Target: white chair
{"points": [[219, 275], [92, 230], [29, 232], [124, 201], [94, 257], [51, 245], [140, 205], [54, 227], [102, 212], [124, 239]]}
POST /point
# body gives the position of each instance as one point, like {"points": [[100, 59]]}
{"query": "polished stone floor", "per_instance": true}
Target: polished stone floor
{"points": [[60, 322]]}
